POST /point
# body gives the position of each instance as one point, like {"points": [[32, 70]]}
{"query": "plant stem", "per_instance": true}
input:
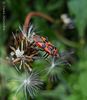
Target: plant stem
{"points": [[31, 14]]}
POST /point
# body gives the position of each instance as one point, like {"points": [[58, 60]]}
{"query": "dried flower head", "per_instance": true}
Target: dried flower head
{"points": [[22, 51]]}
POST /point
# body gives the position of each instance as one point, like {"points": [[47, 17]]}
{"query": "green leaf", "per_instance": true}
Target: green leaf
{"points": [[83, 83], [79, 9], [72, 97]]}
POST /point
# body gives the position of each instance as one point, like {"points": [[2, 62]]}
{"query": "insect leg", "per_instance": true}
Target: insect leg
{"points": [[46, 55]]}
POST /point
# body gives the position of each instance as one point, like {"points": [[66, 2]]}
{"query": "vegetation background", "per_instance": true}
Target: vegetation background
{"points": [[15, 12]]}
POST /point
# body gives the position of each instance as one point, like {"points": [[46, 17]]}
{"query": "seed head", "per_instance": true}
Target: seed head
{"points": [[22, 51], [31, 84], [55, 69]]}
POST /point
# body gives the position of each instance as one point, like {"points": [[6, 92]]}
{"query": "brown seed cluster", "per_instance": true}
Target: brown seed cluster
{"points": [[22, 52]]}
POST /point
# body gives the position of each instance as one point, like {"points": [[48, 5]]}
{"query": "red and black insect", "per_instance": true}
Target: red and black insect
{"points": [[45, 45], [42, 43]]}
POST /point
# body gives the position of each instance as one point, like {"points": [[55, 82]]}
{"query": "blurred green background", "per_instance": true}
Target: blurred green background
{"points": [[15, 12]]}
